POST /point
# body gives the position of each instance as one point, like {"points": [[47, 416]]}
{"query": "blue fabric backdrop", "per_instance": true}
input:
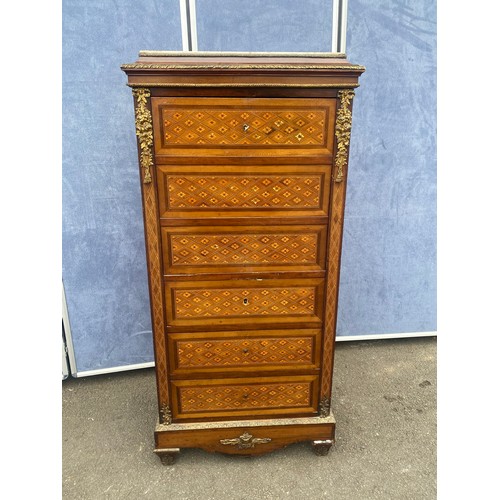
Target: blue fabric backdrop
{"points": [[388, 275], [263, 26], [104, 267]]}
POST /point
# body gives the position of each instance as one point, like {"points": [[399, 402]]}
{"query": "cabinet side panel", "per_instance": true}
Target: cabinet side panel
{"points": [[339, 176], [145, 146]]}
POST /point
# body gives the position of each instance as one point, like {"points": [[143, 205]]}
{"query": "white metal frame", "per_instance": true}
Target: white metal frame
{"points": [[342, 39], [71, 353], [114, 369], [190, 33], [382, 336], [65, 366], [67, 333], [335, 25], [188, 25], [184, 25]]}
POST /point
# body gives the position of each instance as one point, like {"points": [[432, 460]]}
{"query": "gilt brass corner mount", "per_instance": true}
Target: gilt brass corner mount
{"points": [[343, 132], [144, 131]]}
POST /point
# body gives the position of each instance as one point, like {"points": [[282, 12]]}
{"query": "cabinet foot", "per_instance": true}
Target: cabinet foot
{"points": [[322, 448], [168, 455]]}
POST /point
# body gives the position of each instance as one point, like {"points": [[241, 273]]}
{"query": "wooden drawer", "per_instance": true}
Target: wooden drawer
{"points": [[249, 191], [244, 351], [209, 249], [244, 302], [234, 126], [244, 396]]}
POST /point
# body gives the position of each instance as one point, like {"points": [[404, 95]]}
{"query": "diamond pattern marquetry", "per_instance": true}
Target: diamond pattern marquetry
{"points": [[153, 253], [243, 126], [332, 287], [227, 248], [244, 191], [334, 252], [244, 352], [150, 215], [233, 302], [241, 397], [334, 246]]}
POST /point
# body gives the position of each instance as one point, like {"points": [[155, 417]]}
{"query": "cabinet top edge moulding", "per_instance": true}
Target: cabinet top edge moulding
{"points": [[235, 69]]}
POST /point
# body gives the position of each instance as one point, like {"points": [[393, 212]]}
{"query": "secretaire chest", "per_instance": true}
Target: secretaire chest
{"points": [[243, 163]]}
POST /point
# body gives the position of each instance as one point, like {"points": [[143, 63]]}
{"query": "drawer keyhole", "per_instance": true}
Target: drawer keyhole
{"points": [[246, 127], [245, 396], [245, 301], [245, 351]]}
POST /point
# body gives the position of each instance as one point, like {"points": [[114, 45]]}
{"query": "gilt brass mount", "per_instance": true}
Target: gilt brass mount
{"points": [[343, 132], [144, 131], [245, 441]]}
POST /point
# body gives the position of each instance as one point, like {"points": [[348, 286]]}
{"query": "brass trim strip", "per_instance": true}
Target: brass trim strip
{"points": [[243, 66], [284, 85], [201, 53], [229, 424]]}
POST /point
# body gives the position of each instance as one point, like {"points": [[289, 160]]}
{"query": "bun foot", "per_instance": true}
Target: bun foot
{"points": [[322, 448], [168, 455]]}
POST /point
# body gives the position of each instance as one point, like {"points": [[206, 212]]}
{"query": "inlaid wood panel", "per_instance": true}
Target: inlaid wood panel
{"points": [[243, 249], [210, 191], [222, 351], [244, 395], [229, 126], [244, 302]]}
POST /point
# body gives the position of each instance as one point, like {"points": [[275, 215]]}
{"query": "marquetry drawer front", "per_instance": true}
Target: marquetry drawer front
{"points": [[233, 191], [209, 249], [229, 126], [227, 351], [244, 302], [244, 396]]}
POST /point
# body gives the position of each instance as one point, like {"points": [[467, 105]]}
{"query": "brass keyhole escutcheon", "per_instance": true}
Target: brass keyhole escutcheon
{"points": [[245, 396], [245, 351], [245, 301], [245, 127]]}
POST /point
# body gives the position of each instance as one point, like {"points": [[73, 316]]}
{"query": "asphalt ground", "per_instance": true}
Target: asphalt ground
{"points": [[384, 402]]}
